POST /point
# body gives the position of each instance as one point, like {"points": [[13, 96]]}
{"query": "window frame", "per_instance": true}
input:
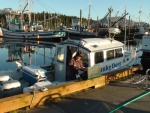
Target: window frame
{"points": [[58, 57], [110, 57], [102, 56]]}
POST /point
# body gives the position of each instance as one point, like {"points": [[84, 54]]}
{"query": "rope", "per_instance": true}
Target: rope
{"points": [[32, 97]]}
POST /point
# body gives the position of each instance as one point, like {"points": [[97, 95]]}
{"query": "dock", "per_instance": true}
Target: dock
{"points": [[37, 98], [112, 98]]}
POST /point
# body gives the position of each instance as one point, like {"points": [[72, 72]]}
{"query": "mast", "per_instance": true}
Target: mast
{"points": [[29, 14], [89, 15], [140, 16], [80, 22], [129, 25], [21, 10], [44, 21], [109, 20], [125, 28]]}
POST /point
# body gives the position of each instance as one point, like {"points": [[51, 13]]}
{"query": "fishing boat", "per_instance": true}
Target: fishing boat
{"points": [[40, 36], [77, 31], [106, 54], [19, 28], [143, 31]]}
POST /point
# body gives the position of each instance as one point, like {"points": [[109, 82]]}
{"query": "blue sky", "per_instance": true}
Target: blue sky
{"points": [[98, 8]]}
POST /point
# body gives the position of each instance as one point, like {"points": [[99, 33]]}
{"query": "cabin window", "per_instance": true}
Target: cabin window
{"points": [[110, 54], [99, 57], [85, 59], [118, 53], [60, 54]]}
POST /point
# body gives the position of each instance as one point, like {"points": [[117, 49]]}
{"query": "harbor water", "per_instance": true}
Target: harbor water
{"points": [[38, 56]]}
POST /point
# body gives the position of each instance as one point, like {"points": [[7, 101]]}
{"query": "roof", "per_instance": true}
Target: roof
{"points": [[95, 44]]}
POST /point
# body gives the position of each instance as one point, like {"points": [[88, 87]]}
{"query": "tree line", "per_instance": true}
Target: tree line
{"points": [[43, 16]]}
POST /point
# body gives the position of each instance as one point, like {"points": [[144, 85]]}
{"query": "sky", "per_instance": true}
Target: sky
{"points": [[98, 9]]}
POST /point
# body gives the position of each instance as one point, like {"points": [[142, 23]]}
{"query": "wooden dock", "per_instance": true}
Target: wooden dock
{"points": [[38, 97]]}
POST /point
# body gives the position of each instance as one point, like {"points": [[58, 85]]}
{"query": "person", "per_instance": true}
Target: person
{"points": [[75, 64]]}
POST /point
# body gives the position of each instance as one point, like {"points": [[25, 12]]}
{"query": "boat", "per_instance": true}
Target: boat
{"points": [[40, 36], [100, 56], [143, 31], [77, 31], [20, 29], [105, 54]]}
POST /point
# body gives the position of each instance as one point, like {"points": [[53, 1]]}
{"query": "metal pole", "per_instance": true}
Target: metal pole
{"points": [[129, 25], [80, 22], [125, 29], [89, 16], [44, 55], [147, 78]]}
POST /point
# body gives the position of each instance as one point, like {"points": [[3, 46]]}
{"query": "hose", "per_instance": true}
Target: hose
{"points": [[146, 93]]}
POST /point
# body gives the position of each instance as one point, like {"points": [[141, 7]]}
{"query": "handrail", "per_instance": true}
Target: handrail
{"points": [[147, 78]]}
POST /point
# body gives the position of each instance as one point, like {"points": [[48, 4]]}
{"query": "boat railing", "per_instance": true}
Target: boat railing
{"points": [[147, 77], [131, 45]]}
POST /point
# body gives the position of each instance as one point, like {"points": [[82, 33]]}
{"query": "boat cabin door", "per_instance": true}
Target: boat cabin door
{"points": [[60, 63]]}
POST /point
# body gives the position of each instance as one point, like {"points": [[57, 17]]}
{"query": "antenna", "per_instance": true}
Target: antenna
{"points": [[140, 14], [109, 20], [89, 15]]}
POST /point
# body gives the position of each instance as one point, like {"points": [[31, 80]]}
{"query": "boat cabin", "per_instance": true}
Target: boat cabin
{"points": [[108, 54]]}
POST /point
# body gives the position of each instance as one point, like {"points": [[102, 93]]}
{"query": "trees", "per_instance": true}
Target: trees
{"points": [[3, 20], [50, 24]]}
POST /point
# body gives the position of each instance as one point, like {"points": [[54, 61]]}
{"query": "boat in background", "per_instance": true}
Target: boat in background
{"points": [[53, 36], [143, 31], [19, 28], [77, 31]]}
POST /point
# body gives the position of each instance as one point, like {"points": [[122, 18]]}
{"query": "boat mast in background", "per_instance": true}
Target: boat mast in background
{"points": [[109, 20], [80, 22], [125, 29], [140, 15], [89, 15]]}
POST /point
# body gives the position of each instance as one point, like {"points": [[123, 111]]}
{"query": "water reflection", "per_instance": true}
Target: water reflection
{"points": [[27, 53]]}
